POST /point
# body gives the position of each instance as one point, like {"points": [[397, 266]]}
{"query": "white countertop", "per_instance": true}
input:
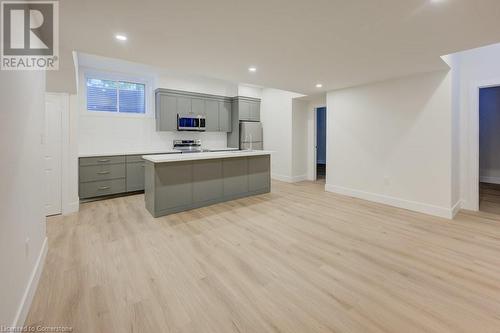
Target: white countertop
{"points": [[147, 152], [141, 152], [203, 156]]}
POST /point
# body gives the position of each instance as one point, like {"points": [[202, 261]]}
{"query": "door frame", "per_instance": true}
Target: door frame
{"points": [[63, 100], [58, 108], [470, 123], [314, 147]]}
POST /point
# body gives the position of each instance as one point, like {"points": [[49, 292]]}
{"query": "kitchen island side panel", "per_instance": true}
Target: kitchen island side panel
{"points": [[149, 187]]}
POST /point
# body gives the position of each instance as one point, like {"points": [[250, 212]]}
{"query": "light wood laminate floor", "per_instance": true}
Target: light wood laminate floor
{"points": [[295, 260], [489, 198]]}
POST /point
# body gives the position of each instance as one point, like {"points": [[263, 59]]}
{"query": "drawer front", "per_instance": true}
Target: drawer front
{"points": [[92, 173], [135, 158], [103, 160], [106, 187], [135, 176]]}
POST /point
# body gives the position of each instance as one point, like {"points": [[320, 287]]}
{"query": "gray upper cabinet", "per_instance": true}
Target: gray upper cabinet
{"points": [[198, 106], [184, 106], [212, 115], [216, 109], [244, 108], [254, 111], [166, 113], [248, 108], [225, 117]]}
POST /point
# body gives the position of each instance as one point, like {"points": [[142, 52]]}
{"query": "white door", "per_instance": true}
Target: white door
{"points": [[53, 154]]}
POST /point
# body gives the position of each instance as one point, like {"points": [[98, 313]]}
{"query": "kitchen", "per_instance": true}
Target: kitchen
{"points": [[103, 174]]}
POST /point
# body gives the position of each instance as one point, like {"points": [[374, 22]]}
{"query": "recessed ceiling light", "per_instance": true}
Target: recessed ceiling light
{"points": [[319, 85], [121, 37], [252, 69]]}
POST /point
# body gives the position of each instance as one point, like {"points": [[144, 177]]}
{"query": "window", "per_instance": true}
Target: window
{"points": [[115, 96]]}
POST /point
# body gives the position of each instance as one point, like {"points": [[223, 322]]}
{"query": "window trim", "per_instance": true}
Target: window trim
{"points": [[105, 75]]}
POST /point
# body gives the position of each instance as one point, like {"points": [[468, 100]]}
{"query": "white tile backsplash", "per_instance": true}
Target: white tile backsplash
{"points": [[114, 134]]}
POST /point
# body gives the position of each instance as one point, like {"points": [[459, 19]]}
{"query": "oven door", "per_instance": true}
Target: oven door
{"points": [[185, 123]]}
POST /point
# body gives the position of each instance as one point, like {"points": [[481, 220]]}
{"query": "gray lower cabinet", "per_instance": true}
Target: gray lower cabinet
{"points": [[235, 174], [207, 180], [135, 176], [108, 175], [177, 186], [258, 173], [101, 160], [100, 188], [100, 176], [174, 188], [92, 173]]}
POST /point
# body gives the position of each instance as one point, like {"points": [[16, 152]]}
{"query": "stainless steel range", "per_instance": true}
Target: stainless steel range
{"points": [[188, 146]]}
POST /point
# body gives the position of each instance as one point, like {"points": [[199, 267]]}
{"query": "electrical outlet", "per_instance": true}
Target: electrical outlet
{"points": [[387, 181]]}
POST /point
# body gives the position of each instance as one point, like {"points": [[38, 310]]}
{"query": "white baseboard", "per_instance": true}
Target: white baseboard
{"points": [[420, 207], [301, 178], [71, 207], [456, 208], [489, 180], [289, 179], [29, 292]]}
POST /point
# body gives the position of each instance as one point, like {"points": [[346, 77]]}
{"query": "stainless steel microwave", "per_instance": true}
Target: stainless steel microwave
{"points": [[191, 123]]}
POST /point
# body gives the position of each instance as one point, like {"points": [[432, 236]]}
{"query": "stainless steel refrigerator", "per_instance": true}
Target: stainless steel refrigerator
{"points": [[251, 135]]}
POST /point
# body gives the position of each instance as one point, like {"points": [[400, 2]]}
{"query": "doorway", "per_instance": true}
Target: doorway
{"points": [[321, 143], [489, 149]]}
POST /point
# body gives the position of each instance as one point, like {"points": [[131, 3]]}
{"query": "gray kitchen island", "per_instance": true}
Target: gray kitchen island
{"points": [[175, 183]]}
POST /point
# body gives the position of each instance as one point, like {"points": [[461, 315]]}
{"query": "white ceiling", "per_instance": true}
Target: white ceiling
{"points": [[293, 43]]}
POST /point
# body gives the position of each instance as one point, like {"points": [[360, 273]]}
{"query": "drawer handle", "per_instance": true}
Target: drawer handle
{"points": [[103, 172], [104, 187], [142, 166], [103, 161]]}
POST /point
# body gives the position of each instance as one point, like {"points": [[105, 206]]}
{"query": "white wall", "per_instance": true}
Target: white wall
{"points": [[106, 133], [276, 117], [249, 91], [477, 67], [197, 84], [489, 136], [391, 142], [22, 218], [299, 139]]}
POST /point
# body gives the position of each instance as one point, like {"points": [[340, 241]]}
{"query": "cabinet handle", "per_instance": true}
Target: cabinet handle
{"points": [[142, 166], [103, 161], [103, 172], [104, 188]]}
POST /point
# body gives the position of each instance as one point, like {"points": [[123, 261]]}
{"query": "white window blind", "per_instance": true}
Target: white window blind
{"points": [[115, 96]]}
